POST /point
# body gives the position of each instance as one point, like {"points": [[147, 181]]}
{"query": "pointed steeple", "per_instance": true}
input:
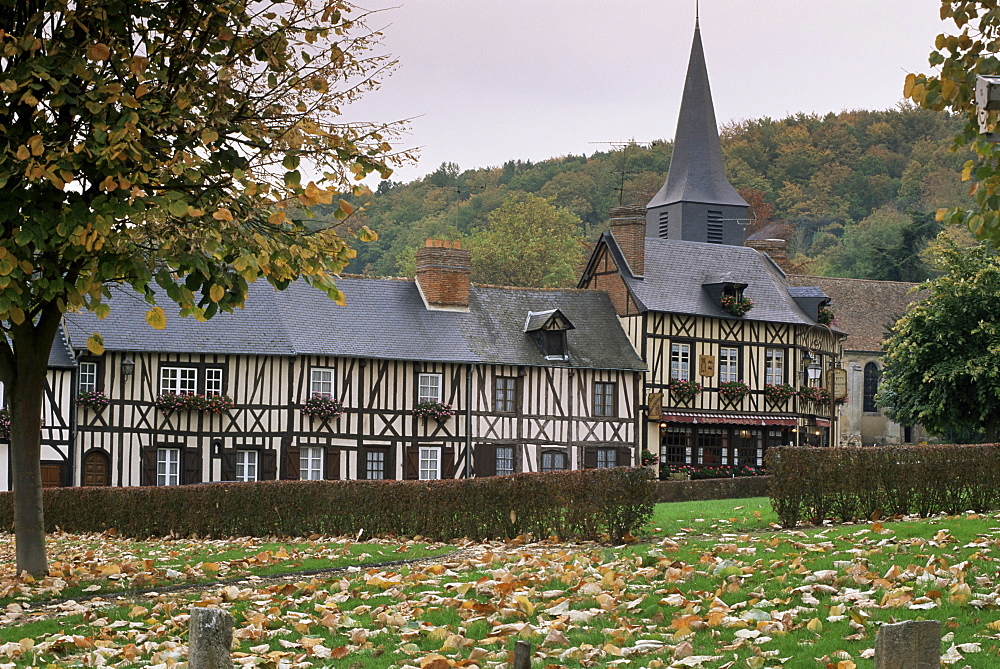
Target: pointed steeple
{"points": [[697, 173]]}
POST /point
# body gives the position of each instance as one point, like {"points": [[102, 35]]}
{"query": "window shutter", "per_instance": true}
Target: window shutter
{"points": [[448, 464], [590, 457], [147, 466], [624, 457], [390, 462], [485, 460], [268, 464], [331, 466], [518, 458], [289, 460], [411, 470], [192, 465], [228, 463]]}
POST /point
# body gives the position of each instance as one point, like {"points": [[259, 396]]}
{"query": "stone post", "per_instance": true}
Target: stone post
{"points": [[211, 639], [522, 655], [913, 644]]}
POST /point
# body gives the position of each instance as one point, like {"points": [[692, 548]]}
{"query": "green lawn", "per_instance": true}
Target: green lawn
{"points": [[729, 515]]}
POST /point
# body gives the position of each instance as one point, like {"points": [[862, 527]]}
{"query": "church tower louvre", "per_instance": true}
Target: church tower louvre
{"points": [[697, 203]]}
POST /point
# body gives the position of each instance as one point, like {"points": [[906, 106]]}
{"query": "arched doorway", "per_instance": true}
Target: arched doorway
{"points": [[96, 468]]}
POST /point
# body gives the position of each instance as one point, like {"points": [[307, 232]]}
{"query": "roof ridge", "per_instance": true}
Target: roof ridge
{"points": [[846, 278]]}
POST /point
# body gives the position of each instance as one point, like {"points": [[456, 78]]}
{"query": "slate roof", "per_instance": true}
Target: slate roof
{"points": [[383, 319], [676, 271], [60, 355], [864, 308], [697, 171]]}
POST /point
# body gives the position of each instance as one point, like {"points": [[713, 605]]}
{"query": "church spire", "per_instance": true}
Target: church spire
{"points": [[697, 173]]}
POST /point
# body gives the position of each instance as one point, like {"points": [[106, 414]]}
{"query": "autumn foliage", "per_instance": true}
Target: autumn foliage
{"points": [[867, 483], [588, 504]]}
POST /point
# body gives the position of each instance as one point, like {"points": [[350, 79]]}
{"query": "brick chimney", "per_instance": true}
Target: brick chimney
{"points": [[443, 271], [776, 248], [628, 225]]}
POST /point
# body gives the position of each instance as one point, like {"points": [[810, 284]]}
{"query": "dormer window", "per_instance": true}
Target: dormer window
{"points": [[548, 329]]}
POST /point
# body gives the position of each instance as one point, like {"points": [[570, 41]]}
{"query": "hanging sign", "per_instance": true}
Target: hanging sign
{"points": [[706, 365], [836, 381], [654, 406]]}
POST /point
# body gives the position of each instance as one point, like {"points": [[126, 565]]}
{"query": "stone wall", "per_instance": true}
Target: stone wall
{"points": [[731, 488]]}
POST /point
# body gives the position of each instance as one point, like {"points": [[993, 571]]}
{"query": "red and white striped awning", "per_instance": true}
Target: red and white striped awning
{"points": [[727, 419]]}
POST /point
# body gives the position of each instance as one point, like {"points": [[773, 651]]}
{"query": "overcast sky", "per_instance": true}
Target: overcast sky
{"points": [[486, 81]]}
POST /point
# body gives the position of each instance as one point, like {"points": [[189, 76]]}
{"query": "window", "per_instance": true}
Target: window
{"points": [[505, 394], [728, 365], [711, 445], [246, 465], [553, 461], [871, 387], [675, 446], [178, 380], [430, 463], [554, 344], [375, 465], [87, 377], [749, 446], [505, 460], [607, 458], [604, 399], [774, 366], [213, 381], [311, 463], [680, 362], [321, 382], [429, 388], [168, 466]]}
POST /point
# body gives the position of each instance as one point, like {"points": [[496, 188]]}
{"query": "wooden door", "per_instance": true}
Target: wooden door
{"points": [[96, 470], [51, 476]]}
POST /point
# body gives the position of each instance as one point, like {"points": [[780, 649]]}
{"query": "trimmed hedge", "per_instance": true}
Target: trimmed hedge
{"points": [[584, 505], [809, 483], [703, 489]]}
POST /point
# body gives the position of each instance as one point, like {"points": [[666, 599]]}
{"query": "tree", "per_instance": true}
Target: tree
{"points": [[528, 242], [960, 58], [163, 143], [942, 361]]}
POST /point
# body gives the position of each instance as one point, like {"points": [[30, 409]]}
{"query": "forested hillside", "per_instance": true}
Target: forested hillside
{"points": [[854, 193]]}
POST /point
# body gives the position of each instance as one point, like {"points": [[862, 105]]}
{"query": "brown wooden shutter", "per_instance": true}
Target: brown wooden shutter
{"points": [[192, 465], [624, 457], [289, 460], [448, 462], [485, 460], [589, 457], [228, 456], [411, 469], [331, 465], [390, 461], [268, 464], [147, 466]]}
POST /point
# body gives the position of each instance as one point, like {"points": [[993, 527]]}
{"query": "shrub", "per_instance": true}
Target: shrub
{"points": [[584, 505], [859, 483], [323, 407], [649, 458]]}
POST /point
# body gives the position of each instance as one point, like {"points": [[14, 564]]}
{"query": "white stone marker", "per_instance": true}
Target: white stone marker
{"points": [[913, 644]]}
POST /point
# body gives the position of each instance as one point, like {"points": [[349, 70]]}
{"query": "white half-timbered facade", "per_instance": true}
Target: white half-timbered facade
{"points": [[533, 380]]}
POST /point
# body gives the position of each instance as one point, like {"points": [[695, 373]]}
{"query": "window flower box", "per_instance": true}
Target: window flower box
{"points": [[684, 391], [214, 404], [439, 411], [815, 395], [323, 407], [778, 393], [5, 423], [737, 305], [93, 399], [733, 391], [826, 316], [649, 458]]}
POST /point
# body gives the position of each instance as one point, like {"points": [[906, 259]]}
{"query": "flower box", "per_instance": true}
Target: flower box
{"points": [[825, 316], [684, 391], [5, 423], [323, 407], [737, 305], [439, 411], [649, 458], [215, 404], [93, 399], [778, 393], [733, 391], [815, 395]]}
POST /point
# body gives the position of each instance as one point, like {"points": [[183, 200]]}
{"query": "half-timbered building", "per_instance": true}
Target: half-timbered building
{"points": [[519, 379], [724, 336]]}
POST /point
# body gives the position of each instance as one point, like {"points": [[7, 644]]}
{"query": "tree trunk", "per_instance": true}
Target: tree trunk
{"points": [[992, 425], [25, 384]]}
